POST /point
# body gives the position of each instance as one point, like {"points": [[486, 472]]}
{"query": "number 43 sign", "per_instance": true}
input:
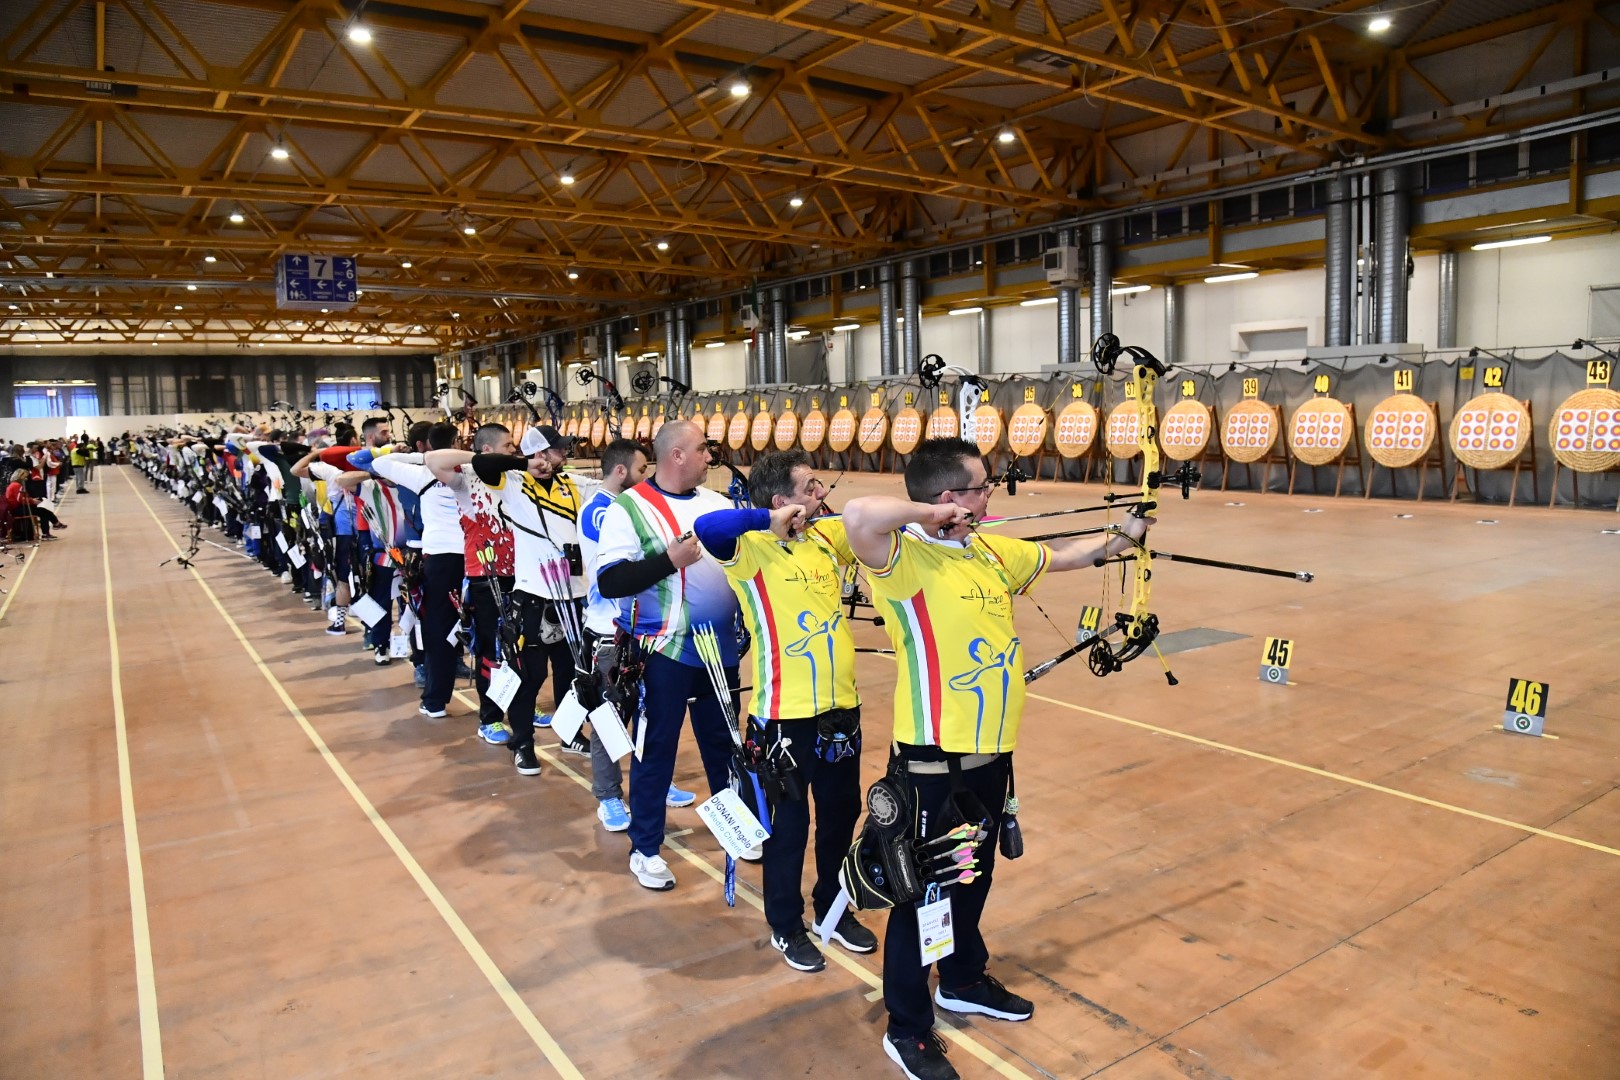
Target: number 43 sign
{"points": [[1526, 707]]}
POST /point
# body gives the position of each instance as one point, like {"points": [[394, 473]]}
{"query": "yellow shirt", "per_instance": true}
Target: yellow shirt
{"points": [[947, 608], [803, 654]]}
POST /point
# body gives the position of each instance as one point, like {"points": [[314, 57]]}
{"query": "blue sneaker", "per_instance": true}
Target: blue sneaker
{"points": [[678, 798], [495, 734], [542, 719], [612, 814]]}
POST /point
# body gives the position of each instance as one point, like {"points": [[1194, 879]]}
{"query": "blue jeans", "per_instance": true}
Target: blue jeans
{"points": [[665, 686]]}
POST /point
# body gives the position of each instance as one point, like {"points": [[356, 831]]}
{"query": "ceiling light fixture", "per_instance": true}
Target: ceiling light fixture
{"points": [[1006, 135], [844, 328], [179, 307], [662, 245], [1040, 301], [406, 265], [566, 177], [237, 218], [209, 259], [1127, 290], [714, 345], [191, 288], [573, 275], [470, 230], [359, 35], [279, 152], [1243, 275], [1517, 241], [1379, 24], [739, 88], [796, 202], [966, 310]]}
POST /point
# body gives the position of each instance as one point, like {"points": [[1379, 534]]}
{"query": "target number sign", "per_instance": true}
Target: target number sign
{"points": [[1404, 381], [1189, 389], [1597, 372], [1323, 383], [1274, 661], [1493, 377], [1526, 710], [1251, 388], [1090, 624]]}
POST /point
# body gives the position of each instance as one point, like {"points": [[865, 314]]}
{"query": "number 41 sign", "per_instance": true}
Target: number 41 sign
{"points": [[1526, 712]]}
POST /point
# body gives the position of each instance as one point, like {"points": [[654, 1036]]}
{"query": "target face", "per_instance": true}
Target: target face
{"points": [[1026, 431], [1585, 431], [813, 432], [737, 430], [643, 430], [1120, 433], [987, 428], [716, 429], [1076, 429], [944, 423], [598, 430], [874, 429], [1320, 430], [1400, 431], [657, 425], [787, 430], [1184, 430], [840, 431], [1490, 431], [1249, 431], [759, 434], [906, 431], [570, 427]]}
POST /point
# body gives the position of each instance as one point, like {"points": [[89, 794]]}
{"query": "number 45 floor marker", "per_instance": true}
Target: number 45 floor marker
{"points": [[1526, 712], [1275, 659]]}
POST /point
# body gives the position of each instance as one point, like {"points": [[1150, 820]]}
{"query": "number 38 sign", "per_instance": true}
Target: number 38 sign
{"points": [[1526, 711]]}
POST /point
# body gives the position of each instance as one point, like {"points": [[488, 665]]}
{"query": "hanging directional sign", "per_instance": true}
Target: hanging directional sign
{"points": [[310, 282]]}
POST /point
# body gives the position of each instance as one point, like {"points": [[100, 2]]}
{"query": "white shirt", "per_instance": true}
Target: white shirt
{"points": [[441, 519], [542, 522]]}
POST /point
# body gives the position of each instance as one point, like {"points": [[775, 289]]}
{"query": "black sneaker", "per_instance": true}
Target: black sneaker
{"points": [[920, 1059], [986, 998], [849, 933], [523, 757], [798, 950], [578, 745]]}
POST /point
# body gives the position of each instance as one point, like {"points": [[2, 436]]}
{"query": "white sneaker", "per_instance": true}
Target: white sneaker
{"points": [[286, 577], [651, 871], [754, 854]]}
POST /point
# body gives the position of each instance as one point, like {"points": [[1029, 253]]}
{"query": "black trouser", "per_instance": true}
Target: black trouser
{"points": [[905, 978], [836, 788], [537, 657], [441, 580], [485, 641]]}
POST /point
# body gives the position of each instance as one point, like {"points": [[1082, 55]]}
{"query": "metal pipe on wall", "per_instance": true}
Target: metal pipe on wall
{"points": [[683, 344], [911, 308], [886, 359], [1448, 300], [1068, 313], [671, 345], [1102, 279], [608, 365], [984, 342], [1172, 324], [848, 338], [1394, 219], [1338, 294], [776, 370]]}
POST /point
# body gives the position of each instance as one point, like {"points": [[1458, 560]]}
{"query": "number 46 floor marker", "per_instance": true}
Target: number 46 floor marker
{"points": [[1274, 661], [1526, 712]]}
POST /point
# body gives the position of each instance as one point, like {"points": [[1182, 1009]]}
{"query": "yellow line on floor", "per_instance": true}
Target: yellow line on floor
{"points": [[145, 971], [16, 585], [514, 1002], [1326, 775], [1000, 1065], [1339, 777]]}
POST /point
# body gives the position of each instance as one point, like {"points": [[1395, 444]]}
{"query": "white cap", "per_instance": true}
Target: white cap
{"points": [[533, 443]]}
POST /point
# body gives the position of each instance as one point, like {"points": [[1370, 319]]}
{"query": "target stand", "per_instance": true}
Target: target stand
{"points": [[1585, 437], [1491, 433], [1402, 432], [1252, 435], [1323, 432]]}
